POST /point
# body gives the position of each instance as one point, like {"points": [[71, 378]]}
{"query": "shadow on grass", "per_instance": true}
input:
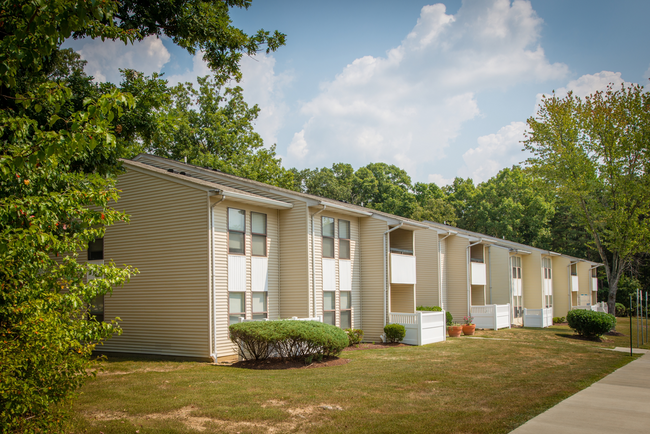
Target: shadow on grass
{"points": [[110, 357], [578, 337]]}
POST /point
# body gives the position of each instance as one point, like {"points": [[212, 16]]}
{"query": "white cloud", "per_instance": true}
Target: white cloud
{"points": [[494, 152], [262, 86], [439, 180], [199, 69], [106, 57], [586, 85], [406, 107]]}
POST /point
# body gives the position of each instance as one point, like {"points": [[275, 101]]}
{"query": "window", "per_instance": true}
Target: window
{"points": [[574, 269], [96, 250], [516, 267], [260, 310], [258, 229], [329, 307], [594, 273], [346, 309], [236, 231], [96, 308], [328, 237], [546, 262], [236, 303], [344, 239]]}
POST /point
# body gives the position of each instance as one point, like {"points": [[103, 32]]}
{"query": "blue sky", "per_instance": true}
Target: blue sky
{"points": [[441, 90]]}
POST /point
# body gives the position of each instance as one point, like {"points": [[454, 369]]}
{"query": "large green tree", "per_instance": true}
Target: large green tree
{"points": [[60, 156], [594, 153]]}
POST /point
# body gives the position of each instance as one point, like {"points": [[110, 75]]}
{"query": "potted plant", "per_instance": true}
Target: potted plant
{"points": [[468, 327], [454, 330]]}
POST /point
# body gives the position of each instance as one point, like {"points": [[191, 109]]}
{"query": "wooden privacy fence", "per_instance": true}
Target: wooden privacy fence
{"points": [[538, 317], [422, 327], [491, 316]]}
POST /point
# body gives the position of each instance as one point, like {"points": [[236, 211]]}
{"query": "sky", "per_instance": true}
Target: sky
{"points": [[442, 90]]}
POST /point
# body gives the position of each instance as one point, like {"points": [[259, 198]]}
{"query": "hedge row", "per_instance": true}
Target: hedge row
{"points": [[259, 340]]}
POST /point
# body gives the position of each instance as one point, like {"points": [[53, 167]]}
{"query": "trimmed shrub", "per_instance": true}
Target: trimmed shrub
{"points": [[450, 319], [590, 324], [558, 319], [429, 308], [288, 339], [620, 309], [394, 332], [355, 336]]}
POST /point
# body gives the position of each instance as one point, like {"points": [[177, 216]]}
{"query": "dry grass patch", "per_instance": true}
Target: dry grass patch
{"points": [[462, 385]]}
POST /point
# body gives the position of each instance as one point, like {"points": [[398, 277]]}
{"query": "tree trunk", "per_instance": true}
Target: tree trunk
{"points": [[611, 297]]}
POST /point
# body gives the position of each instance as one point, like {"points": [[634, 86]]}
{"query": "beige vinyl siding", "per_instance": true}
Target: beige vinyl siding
{"points": [[478, 295], [295, 263], [561, 288], [426, 257], [584, 277], [456, 259], [499, 276], [372, 277], [401, 239], [402, 298], [165, 308], [221, 318], [532, 273]]}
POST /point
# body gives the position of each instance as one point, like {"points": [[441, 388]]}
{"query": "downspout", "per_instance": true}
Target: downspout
{"points": [[386, 270], [440, 270], [469, 287], [313, 260], [490, 271], [213, 354]]}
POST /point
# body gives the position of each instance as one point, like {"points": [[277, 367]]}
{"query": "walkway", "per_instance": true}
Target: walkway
{"points": [[619, 402]]}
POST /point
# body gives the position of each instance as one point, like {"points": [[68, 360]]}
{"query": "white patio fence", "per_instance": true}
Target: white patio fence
{"points": [[295, 318], [538, 317], [421, 327], [598, 307], [491, 316]]}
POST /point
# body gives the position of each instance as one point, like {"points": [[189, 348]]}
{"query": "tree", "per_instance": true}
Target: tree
{"points": [[211, 126], [60, 156], [594, 153]]}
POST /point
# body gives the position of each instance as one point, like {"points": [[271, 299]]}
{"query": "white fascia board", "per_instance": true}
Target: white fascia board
{"points": [[265, 201]]}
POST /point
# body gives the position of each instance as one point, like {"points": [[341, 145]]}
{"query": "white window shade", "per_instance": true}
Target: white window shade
{"points": [[329, 274], [259, 274], [402, 269], [236, 273], [345, 275]]}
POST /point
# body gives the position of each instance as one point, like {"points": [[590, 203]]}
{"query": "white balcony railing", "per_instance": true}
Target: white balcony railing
{"points": [[491, 316], [422, 328], [538, 317], [479, 273], [402, 269]]}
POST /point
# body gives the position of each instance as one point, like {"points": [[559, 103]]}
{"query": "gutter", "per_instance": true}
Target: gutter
{"points": [[469, 291], [213, 352], [386, 270], [313, 260]]}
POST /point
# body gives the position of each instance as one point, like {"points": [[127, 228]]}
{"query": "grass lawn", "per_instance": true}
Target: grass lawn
{"points": [[460, 386]]}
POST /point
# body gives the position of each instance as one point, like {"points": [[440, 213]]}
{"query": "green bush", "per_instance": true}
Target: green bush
{"points": [[429, 308], [287, 339], [558, 319], [589, 323], [450, 319], [355, 336], [620, 309], [394, 332]]}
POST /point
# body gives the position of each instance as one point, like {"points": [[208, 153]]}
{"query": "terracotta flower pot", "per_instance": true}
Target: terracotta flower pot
{"points": [[454, 331], [468, 330]]}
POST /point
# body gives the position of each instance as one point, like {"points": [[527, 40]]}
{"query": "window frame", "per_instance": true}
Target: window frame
{"points": [[256, 234], [341, 310], [329, 310], [323, 237], [236, 231], [96, 252], [266, 304], [344, 240], [239, 314]]}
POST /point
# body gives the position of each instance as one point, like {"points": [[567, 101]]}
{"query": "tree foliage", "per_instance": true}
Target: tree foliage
{"points": [[594, 153], [61, 144]]}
